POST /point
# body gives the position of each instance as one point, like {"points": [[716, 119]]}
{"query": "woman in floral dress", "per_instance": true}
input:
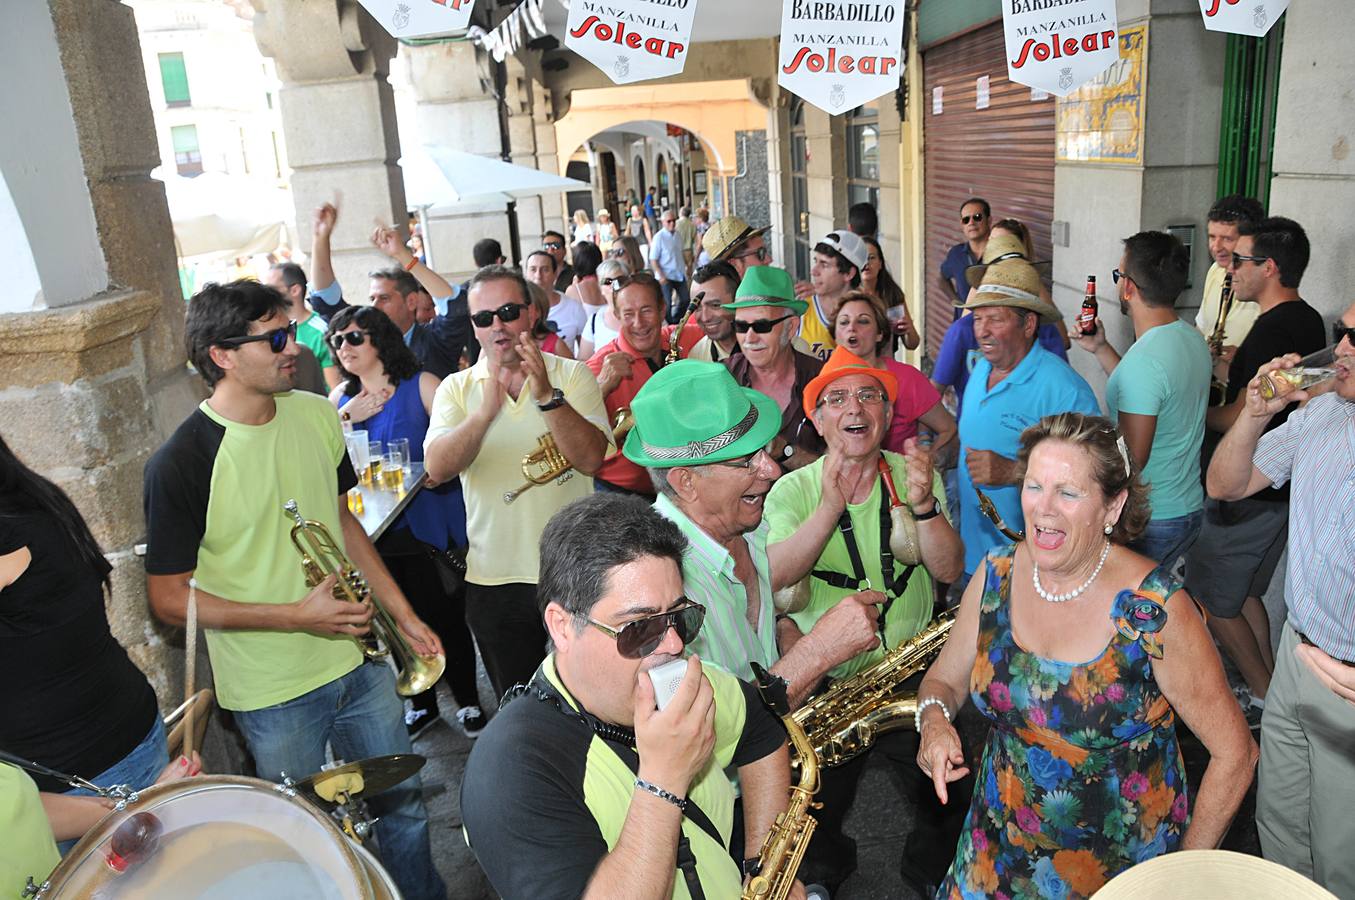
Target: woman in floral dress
{"points": [[1081, 776]]}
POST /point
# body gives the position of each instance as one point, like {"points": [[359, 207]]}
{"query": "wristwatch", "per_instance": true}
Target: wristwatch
{"points": [[935, 511], [557, 400]]}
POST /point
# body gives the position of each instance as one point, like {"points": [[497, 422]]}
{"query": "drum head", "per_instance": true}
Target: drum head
{"points": [[222, 837], [383, 886]]}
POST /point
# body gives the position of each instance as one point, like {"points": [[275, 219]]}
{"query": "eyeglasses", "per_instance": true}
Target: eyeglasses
{"points": [[1239, 259], [762, 253], [761, 326], [866, 396], [1341, 331], [553, 245], [617, 253], [743, 462], [641, 637], [351, 338], [614, 283], [277, 338], [974, 217], [509, 312], [1116, 275]]}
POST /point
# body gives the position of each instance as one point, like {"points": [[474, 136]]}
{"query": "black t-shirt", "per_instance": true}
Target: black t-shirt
{"points": [[1291, 327], [541, 791], [72, 701]]}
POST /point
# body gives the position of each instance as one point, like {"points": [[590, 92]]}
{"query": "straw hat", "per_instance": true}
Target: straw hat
{"points": [[1014, 283], [603, 213], [1211, 875], [1000, 247], [840, 364], [725, 235]]}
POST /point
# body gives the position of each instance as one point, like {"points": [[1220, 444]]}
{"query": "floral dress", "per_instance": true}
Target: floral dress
{"points": [[1081, 776]]}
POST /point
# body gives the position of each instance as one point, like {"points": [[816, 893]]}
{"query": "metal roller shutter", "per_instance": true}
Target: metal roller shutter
{"points": [[1004, 153]]}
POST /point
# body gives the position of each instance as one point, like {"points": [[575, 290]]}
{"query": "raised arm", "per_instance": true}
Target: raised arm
{"points": [[389, 242], [323, 221]]}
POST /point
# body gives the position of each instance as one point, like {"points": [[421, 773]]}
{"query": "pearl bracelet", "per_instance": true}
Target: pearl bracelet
{"points": [[659, 792], [923, 704]]}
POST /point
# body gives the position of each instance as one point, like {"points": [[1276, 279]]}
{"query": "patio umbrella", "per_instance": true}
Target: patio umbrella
{"points": [[437, 177], [223, 216]]}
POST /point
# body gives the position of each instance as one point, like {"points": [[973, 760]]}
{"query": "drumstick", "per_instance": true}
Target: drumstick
{"points": [[190, 663]]}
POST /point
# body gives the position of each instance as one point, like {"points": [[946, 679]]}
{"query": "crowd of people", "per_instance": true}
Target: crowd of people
{"points": [[735, 473]]}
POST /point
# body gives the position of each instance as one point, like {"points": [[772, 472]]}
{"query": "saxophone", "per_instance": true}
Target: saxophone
{"points": [[843, 721], [674, 351], [788, 839], [1218, 390]]}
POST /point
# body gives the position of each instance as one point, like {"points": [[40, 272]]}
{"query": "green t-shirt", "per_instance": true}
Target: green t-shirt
{"points": [[312, 333], [792, 500], [213, 497], [1166, 374], [27, 848]]}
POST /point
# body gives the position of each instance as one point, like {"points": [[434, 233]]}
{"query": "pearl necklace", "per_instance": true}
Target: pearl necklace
{"points": [[1059, 598]]}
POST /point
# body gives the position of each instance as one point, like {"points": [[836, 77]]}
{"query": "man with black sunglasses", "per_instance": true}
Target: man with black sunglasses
{"points": [[1230, 567], [581, 786], [485, 421], [553, 242], [766, 322], [283, 656], [976, 221], [734, 241]]}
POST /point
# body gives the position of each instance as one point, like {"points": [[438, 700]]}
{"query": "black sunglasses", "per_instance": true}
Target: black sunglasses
{"points": [[1341, 331], [509, 312], [352, 338], [277, 338], [762, 254], [1239, 259], [1116, 275], [553, 245], [641, 637], [975, 217], [761, 326]]}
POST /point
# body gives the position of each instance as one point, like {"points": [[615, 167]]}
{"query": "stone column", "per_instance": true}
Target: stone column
{"points": [[338, 117], [92, 374]]}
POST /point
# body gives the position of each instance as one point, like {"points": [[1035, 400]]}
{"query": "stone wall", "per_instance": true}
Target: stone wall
{"points": [[748, 189]]}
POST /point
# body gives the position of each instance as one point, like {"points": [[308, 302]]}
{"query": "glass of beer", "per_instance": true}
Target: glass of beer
{"points": [[374, 463], [393, 467], [1313, 371]]}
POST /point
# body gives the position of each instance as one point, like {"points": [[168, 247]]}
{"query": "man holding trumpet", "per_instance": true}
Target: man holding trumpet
{"points": [[486, 419]]}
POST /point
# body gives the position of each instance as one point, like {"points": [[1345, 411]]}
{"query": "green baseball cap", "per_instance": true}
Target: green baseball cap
{"points": [[767, 286], [691, 413]]}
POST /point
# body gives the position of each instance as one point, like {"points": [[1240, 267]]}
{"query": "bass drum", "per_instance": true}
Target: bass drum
{"points": [[215, 837], [383, 886]]}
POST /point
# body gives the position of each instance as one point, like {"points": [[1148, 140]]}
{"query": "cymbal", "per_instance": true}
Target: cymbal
{"points": [[366, 776]]}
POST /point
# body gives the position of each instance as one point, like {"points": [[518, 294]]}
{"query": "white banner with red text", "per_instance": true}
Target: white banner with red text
{"points": [[632, 40], [1249, 17], [407, 19], [839, 54], [1058, 45]]}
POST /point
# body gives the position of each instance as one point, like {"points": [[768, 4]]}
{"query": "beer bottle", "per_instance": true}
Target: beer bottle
{"points": [[1086, 317]]}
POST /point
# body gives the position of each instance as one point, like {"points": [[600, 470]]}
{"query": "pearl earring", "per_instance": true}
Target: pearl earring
{"points": [[1109, 528]]}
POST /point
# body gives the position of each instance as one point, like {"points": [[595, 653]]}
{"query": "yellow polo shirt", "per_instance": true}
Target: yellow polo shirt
{"points": [[504, 538], [1240, 318]]}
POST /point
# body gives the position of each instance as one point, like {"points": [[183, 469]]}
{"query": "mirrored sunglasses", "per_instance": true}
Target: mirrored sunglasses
{"points": [[641, 637]]}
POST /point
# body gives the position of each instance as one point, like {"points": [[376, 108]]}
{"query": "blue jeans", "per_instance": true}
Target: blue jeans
{"points": [[1167, 540], [675, 299], [362, 716], [138, 769]]}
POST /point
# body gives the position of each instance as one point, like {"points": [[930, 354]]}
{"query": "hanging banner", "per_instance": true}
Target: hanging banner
{"points": [[407, 19], [1250, 17], [632, 40], [1058, 47], [839, 54]]}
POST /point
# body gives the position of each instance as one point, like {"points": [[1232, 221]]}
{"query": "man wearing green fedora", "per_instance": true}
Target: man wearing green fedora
{"points": [[766, 322]]}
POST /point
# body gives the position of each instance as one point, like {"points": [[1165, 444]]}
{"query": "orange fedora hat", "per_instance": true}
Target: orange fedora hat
{"points": [[844, 362]]}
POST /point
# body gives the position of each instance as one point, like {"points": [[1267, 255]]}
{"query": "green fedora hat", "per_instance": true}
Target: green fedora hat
{"points": [[767, 286], [691, 413]]}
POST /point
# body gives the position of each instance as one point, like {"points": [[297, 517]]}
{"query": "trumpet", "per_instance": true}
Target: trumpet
{"points": [[542, 466], [1218, 389], [987, 507], [321, 557]]}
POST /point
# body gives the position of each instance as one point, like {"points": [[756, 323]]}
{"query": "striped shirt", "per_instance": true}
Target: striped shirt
{"points": [[1315, 448], [708, 578]]}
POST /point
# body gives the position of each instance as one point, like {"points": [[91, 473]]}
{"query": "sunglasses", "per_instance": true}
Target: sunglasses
{"points": [[976, 217], [553, 245], [866, 396], [351, 338], [761, 326], [743, 462], [762, 253], [1116, 275], [614, 283], [277, 338], [1239, 259], [617, 253], [641, 637], [1341, 331], [509, 312]]}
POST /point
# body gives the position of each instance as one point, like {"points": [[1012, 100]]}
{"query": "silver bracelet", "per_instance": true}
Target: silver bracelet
{"points": [[659, 792], [923, 704]]}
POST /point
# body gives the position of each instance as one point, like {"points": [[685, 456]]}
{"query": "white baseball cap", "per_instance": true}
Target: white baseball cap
{"points": [[850, 247]]}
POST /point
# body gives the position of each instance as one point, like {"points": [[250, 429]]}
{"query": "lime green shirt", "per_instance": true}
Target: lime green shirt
{"points": [[792, 500], [27, 848]]}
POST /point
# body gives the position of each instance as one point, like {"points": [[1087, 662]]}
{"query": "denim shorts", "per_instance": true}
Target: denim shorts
{"points": [[1165, 541], [1239, 547]]}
